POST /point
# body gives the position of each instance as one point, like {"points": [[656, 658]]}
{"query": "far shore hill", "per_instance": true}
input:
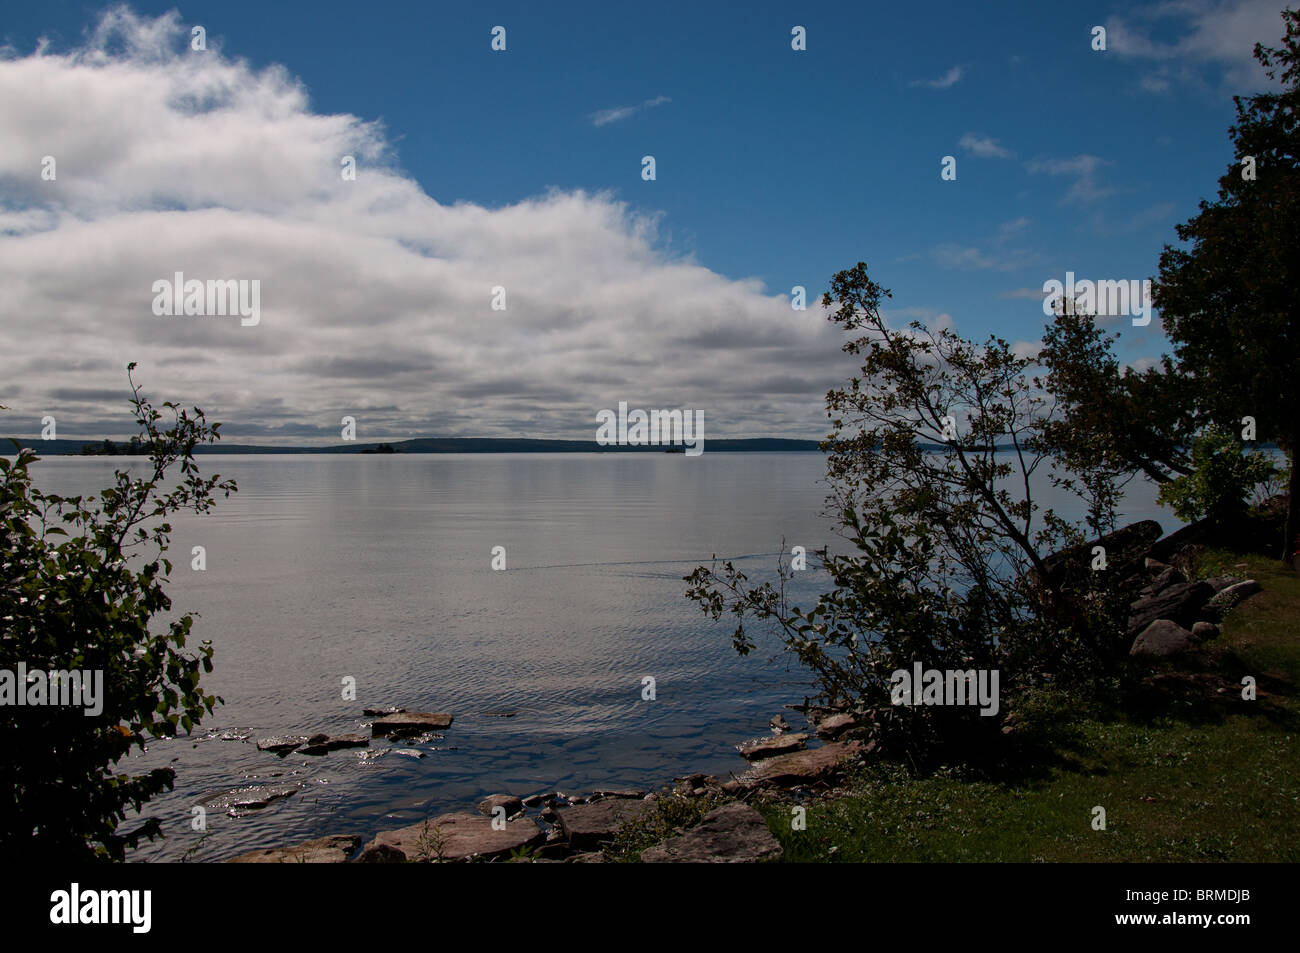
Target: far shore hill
{"points": [[432, 445]]}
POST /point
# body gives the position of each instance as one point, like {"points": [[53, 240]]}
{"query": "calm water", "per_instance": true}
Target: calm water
{"points": [[378, 567]]}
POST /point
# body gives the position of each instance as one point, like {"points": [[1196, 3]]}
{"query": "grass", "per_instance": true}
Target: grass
{"points": [[1187, 771]]}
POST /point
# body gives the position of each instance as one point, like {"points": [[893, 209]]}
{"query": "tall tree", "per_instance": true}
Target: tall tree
{"points": [[1227, 299]]}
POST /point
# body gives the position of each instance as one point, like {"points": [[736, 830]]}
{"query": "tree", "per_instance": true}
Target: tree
{"points": [[1228, 301], [930, 461], [81, 579], [1222, 481]]}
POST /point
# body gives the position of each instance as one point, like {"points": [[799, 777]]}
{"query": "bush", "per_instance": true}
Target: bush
{"points": [[1222, 480], [81, 579]]}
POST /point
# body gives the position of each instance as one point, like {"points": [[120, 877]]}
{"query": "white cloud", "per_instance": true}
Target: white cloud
{"points": [[983, 147], [375, 296], [604, 117], [948, 79], [1220, 33], [1082, 168]]}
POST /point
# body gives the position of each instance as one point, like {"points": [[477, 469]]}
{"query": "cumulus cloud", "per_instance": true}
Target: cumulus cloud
{"points": [[375, 296], [1182, 37]]}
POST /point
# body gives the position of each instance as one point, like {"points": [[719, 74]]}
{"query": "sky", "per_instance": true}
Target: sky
{"points": [[521, 169]]}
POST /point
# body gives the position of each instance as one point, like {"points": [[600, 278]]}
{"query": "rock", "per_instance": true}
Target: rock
{"points": [[1163, 637], [596, 857], [778, 724], [536, 800], [253, 797], [770, 747], [408, 722], [408, 752], [732, 834], [390, 710], [801, 767], [333, 743], [834, 726], [1180, 603], [1229, 598], [732, 787], [1223, 582], [1205, 631], [281, 744], [381, 854], [626, 793], [1165, 549], [335, 849], [1164, 580], [318, 739], [453, 837], [1125, 548], [588, 826], [512, 804], [1155, 565]]}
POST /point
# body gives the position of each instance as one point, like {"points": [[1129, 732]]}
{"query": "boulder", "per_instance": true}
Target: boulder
{"points": [[770, 747], [411, 722], [1125, 549], [1205, 631], [732, 834], [335, 849], [831, 728], [537, 800], [1229, 598], [512, 804], [1163, 581], [453, 837], [1180, 603], [778, 724], [588, 826], [1161, 638], [281, 744], [1223, 582], [801, 767]]}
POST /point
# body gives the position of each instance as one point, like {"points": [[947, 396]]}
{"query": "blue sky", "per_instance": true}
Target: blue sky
{"points": [[772, 165]]}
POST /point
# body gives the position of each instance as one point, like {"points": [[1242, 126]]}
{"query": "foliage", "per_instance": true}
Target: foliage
{"points": [[80, 582], [948, 567], [1222, 480]]}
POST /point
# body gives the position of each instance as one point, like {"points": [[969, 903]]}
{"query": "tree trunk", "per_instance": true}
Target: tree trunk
{"points": [[1291, 537]]}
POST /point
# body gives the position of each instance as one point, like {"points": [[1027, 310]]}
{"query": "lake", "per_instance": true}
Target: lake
{"points": [[378, 568]]}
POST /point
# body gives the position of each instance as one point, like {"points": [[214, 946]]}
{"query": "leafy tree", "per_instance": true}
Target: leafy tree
{"points": [[949, 565], [1222, 481], [81, 579]]}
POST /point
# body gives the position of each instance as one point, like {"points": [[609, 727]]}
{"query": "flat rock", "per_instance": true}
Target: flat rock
{"points": [[625, 793], [732, 834], [587, 826], [281, 744], [408, 752], [333, 743], [252, 797], [1223, 582], [408, 722], [390, 710], [537, 800], [1180, 603], [771, 747], [489, 804], [335, 849], [1230, 597], [833, 726], [1163, 637], [453, 837], [800, 767]]}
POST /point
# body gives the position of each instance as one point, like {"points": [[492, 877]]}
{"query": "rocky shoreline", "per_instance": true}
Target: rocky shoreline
{"points": [[1170, 614]]}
